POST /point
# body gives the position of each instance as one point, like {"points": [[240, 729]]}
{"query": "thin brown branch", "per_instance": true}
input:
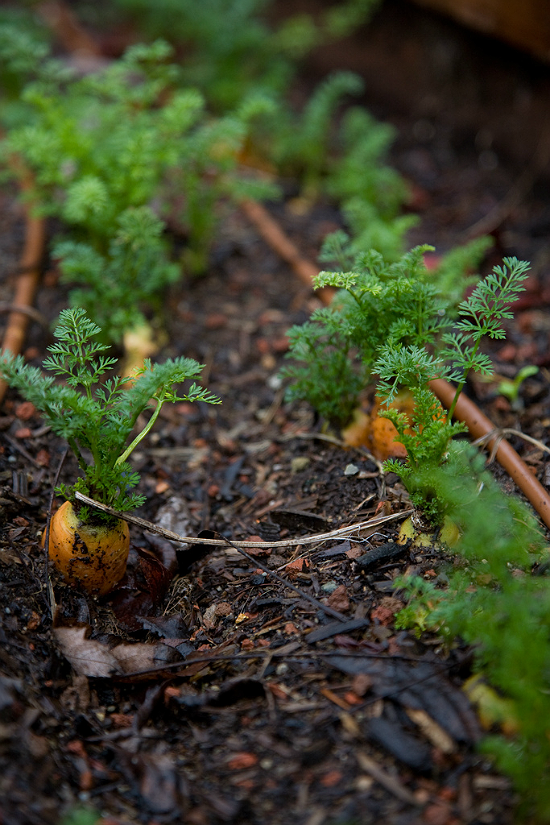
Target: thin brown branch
{"points": [[479, 426], [27, 283], [277, 239], [60, 18]]}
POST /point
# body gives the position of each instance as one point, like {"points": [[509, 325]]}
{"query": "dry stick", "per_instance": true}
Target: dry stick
{"points": [[169, 534], [27, 283], [272, 233], [387, 780], [311, 599], [479, 425], [61, 20], [51, 593]]}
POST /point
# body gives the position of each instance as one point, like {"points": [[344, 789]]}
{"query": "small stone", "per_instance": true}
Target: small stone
{"points": [[351, 470], [299, 463]]}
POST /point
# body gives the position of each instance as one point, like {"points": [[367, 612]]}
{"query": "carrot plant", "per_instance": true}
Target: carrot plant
{"points": [[113, 154], [428, 432], [97, 416], [117, 288], [378, 302], [233, 48]]}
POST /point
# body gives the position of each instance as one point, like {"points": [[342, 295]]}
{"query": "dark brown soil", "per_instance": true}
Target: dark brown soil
{"points": [[261, 703]]}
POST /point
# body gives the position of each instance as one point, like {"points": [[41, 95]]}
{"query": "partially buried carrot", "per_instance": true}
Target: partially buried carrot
{"points": [[98, 419], [91, 556]]}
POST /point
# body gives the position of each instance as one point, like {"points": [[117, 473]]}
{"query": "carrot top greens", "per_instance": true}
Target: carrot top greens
{"points": [[97, 414]]}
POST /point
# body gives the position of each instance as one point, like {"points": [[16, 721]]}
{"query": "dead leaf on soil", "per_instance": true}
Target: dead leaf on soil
{"points": [[89, 657], [142, 589]]}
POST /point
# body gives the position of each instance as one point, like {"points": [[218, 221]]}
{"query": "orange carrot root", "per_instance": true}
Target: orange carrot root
{"points": [[92, 557]]}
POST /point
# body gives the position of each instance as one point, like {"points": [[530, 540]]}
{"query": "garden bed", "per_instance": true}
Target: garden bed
{"points": [[243, 699]]}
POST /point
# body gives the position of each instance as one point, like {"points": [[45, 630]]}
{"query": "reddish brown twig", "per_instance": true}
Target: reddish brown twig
{"points": [[27, 283], [272, 233], [478, 424], [62, 21]]}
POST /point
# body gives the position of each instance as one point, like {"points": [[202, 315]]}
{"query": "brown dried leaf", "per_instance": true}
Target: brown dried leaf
{"points": [[133, 658], [92, 658], [87, 657]]}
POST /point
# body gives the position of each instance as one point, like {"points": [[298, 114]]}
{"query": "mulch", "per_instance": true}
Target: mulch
{"points": [[214, 687]]}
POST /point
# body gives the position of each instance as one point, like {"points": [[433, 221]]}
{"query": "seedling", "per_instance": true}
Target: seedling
{"points": [[96, 415], [115, 288], [379, 303], [231, 50], [510, 387], [106, 148]]}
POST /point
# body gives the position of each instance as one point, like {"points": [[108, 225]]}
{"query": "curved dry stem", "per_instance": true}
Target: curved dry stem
{"points": [[480, 426], [27, 283]]}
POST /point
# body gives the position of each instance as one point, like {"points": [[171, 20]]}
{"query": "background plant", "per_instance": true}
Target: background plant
{"points": [[233, 49], [105, 148], [96, 414], [117, 289]]}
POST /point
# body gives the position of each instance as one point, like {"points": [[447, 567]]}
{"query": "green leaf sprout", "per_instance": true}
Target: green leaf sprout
{"points": [[97, 414]]}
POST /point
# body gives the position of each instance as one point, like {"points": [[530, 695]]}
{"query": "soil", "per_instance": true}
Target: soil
{"points": [[214, 687]]}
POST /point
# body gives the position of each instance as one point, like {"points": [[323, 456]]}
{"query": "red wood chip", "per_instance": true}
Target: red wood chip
{"points": [[242, 760], [331, 779], [25, 410]]}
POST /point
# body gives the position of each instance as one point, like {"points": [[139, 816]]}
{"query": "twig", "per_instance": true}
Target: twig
{"points": [[68, 30], [271, 232], [53, 605], [480, 426], [499, 433], [20, 449], [27, 282], [390, 783], [169, 534], [307, 653], [31, 312], [325, 607]]}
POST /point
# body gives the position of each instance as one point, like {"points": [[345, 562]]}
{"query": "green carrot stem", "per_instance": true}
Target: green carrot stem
{"points": [[131, 447]]}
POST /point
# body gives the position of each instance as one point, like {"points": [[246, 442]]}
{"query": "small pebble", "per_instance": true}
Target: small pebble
{"points": [[299, 463]]}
